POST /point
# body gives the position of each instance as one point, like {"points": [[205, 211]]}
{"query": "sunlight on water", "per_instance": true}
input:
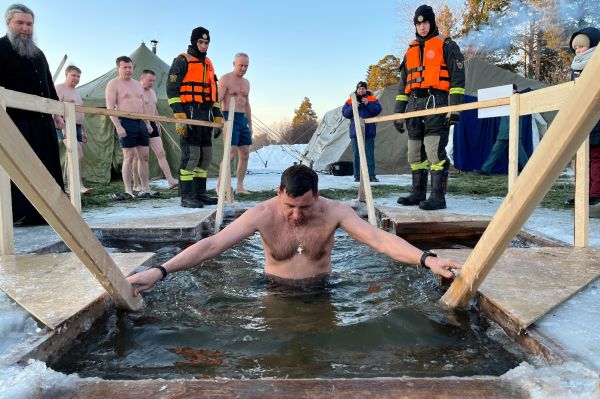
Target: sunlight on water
{"points": [[373, 318]]}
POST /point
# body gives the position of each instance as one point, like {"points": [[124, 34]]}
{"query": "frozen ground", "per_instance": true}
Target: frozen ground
{"points": [[574, 324]]}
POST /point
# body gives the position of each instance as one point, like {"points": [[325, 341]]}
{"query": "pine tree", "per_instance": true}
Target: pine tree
{"points": [[384, 73], [304, 123]]}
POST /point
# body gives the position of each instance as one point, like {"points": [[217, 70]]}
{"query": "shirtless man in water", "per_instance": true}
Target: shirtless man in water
{"points": [[233, 84], [124, 93], [66, 92], [297, 229]]}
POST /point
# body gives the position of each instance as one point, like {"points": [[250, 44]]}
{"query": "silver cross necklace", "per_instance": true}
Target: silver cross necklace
{"points": [[300, 241]]}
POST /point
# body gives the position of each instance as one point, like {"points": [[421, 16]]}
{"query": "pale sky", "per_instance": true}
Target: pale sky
{"points": [[317, 49]]}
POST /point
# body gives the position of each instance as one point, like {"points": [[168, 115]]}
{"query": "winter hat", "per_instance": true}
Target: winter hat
{"points": [[199, 33], [361, 84], [424, 13], [580, 40]]}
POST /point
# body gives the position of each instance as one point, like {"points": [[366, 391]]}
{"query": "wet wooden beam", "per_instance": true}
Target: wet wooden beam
{"points": [[566, 134], [35, 182], [363, 388]]}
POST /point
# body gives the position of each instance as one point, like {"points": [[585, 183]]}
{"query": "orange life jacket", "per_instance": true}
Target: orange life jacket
{"points": [[198, 84], [429, 73]]}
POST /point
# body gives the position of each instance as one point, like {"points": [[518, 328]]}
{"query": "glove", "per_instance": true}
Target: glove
{"points": [[218, 119], [181, 128], [217, 131], [452, 118], [399, 125]]}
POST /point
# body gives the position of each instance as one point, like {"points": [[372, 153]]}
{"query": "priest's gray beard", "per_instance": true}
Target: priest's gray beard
{"points": [[24, 47]]}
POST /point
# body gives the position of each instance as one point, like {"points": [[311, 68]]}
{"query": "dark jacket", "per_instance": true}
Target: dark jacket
{"points": [[594, 35], [373, 108]]}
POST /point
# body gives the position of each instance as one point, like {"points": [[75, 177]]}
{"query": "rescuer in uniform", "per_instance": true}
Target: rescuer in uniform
{"points": [[192, 93], [432, 75]]}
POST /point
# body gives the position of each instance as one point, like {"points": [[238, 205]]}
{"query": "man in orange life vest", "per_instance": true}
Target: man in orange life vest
{"points": [[192, 93], [432, 75]]}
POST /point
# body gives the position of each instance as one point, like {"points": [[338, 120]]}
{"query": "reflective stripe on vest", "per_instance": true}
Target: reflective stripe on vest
{"points": [[432, 72], [198, 84]]}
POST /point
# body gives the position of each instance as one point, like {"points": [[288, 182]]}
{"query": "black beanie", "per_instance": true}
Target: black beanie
{"points": [[424, 13], [199, 33], [361, 84]]}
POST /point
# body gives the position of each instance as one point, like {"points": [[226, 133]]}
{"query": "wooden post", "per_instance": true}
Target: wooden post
{"points": [[364, 172], [225, 165], [72, 156], [60, 67], [7, 243], [582, 196], [36, 183], [569, 130], [513, 140]]}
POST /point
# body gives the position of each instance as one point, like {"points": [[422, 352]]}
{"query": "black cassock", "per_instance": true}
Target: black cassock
{"points": [[31, 76]]}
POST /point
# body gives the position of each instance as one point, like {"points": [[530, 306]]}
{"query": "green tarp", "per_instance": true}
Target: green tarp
{"points": [[102, 154]]}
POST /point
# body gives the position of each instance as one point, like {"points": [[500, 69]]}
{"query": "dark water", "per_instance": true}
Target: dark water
{"points": [[374, 318]]}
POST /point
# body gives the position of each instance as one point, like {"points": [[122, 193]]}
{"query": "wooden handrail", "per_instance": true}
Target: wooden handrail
{"points": [[365, 182]]}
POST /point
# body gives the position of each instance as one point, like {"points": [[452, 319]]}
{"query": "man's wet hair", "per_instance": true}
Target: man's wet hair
{"points": [[148, 72], [72, 68], [123, 58], [297, 180]]}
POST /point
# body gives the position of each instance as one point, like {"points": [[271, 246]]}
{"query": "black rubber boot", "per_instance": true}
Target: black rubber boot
{"points": [[419, 188], [188, 200], [200, 191], [437, 199]]}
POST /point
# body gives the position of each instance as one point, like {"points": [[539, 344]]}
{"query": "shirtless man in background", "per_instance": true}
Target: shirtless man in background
{"points": [[147, 79], [66, 92], [124, 93], [233, 84], [297, 230]]}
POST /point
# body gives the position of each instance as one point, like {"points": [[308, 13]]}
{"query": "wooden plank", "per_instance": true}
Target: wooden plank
{"points": [[513, 141], [546, 99], [225, 165], [7, 242], [189, 226], [157, 118], [582, 192], [527, 283], [566, 134], [442, 110], [29, 102], [72, 156], [60, 67], [54, 287], [383, 388], [364, 172], [36, 183]]}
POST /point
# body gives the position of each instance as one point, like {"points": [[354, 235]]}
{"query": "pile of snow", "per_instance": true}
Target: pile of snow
{"points": [[15, 324], [277, 157], [35, 380], [568, 380]]}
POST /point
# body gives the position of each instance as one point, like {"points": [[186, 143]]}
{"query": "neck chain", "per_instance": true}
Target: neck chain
{"points": [[301, 242]]}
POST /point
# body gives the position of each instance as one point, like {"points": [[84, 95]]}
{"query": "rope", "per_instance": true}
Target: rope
{"points": [[170, 138]]}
